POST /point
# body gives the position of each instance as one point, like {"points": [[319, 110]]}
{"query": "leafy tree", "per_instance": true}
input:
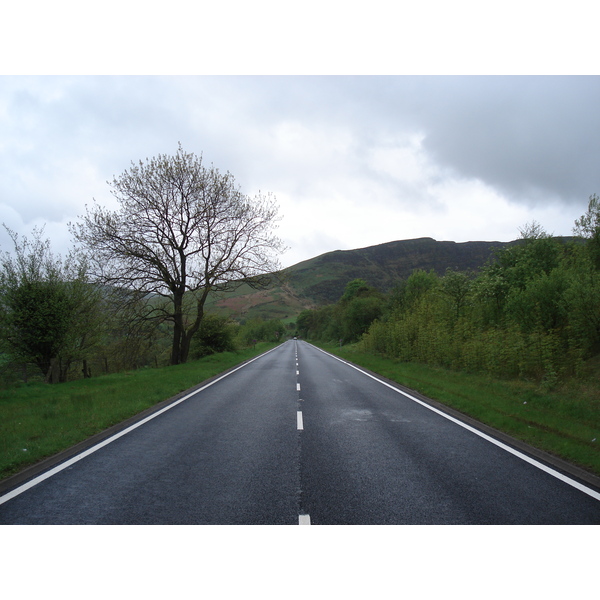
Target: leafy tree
{"points": [[456, 286], [540, 304], [131, 341], [355, 288], [588, 227], [215, 334], [412, 289], [358, 315], [259, 330], [37, 322], [182, 230], [49, 309], [490, 290], [304, 322]]}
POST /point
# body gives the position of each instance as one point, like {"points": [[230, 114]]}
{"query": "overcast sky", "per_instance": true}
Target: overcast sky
{"points": [[352, 160]]}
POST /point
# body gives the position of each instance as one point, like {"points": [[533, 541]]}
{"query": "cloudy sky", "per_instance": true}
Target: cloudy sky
{"points": [[353, 160]]}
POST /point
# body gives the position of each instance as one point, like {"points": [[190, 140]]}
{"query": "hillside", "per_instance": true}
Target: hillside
{"points": [[321, 280]]}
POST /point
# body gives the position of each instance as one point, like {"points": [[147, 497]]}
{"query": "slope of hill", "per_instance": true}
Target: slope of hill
{"points": [[321, 280]]}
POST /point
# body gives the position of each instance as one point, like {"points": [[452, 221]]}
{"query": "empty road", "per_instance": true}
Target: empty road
{"points": [[298, 436]]}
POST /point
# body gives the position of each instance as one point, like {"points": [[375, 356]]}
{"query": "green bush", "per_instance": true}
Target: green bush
{"points": [[215, 334]]}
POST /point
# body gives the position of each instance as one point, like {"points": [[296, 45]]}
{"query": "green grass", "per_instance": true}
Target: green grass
{"points": [[39, 420], [564, 422]]}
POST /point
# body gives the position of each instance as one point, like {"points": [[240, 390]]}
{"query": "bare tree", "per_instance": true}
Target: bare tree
{"points": [[533, 231], [182, 231]]}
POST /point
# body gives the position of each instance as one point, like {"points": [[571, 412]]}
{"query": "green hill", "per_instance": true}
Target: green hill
{"points": [[321, 280]]}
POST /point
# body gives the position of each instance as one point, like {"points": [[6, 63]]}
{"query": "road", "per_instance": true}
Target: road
{"points": [[298, 436]]}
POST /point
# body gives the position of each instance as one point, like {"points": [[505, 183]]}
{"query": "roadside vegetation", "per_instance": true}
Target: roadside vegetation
{"points": [[39, 420], [532, 313]]}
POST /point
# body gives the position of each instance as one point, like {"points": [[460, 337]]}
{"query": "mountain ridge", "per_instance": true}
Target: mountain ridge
{"points": [[384, 265], [321, 280]]}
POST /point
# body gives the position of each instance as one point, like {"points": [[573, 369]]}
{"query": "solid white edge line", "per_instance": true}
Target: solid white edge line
{"points": [[303, 519], [33, 482], [535, 463], [299, 421]]}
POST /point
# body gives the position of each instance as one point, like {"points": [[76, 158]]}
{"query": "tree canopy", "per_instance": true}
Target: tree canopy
{"points": [[182, 231]]}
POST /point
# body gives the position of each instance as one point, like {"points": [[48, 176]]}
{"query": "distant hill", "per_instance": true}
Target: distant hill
{"points": [[321, 280]]}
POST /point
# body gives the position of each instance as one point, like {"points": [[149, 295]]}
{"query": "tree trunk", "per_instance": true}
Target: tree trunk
{"points": [[187, 335], [63, 370], [178, 329], [87, 372], [53, 375], [176, 349], [186, 339]]}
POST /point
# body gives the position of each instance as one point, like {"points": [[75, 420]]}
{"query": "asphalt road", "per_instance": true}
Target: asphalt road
{"points": [[300, 437]]}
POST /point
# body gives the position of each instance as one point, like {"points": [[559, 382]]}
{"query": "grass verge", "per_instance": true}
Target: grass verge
{"points": [[564, 422], [39, 420]]}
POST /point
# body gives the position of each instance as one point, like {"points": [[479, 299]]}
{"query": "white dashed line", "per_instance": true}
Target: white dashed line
{"points": [[299, 421], [303, 519], [297, 387]]}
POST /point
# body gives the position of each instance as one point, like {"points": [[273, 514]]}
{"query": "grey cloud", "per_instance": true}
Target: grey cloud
{"points": [[533, 138]]}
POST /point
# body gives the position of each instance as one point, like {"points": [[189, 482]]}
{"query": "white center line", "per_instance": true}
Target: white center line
{"points": [[299, 422], [297, 387], [303, 519]]}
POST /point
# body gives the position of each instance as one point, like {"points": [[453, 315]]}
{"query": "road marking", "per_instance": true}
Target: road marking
{"points": [[19, 490], [299, 421], [303, 519], [297, 387], [297, 372], [531, 461]]}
